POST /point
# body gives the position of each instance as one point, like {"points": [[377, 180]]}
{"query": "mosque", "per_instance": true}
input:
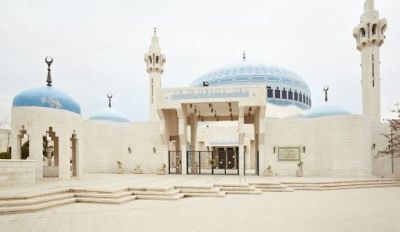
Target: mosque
{"points": [[242, 119]]}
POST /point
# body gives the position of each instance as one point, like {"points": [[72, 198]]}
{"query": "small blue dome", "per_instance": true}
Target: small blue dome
{"points": [[47, 96], [284, 87], [109, 114], [326, 110]]}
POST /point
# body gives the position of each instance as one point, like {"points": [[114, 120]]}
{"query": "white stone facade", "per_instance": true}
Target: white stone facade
{"points": [[239, 116]]}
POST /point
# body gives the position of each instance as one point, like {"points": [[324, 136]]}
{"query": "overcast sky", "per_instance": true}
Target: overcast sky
{"points": [[98, 46]]}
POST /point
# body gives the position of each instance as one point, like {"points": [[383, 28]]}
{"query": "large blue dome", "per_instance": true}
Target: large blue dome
{"points": [[326, 110], [46, 96], [109, 114], [284, 87]]}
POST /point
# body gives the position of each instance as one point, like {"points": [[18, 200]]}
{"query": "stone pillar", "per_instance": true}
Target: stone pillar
{"points": [[182, 128], [65, 152], [36, 152], [241, 140], [261, 139]]}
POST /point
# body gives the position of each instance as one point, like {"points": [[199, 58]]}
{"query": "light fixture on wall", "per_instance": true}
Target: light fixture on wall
{"points": [[154, 150], [304, 149], [274, 149], [129, 150], [373, 146]]}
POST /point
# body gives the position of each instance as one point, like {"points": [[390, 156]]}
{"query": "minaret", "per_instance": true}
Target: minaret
{"points": [[155, 62], [369, 35]]}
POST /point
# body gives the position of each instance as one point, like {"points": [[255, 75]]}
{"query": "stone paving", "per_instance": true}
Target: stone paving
{"points": [[375, 209], [343, 210]]}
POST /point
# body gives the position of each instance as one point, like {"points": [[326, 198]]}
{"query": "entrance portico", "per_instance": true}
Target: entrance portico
{"points": [[182, 110]]}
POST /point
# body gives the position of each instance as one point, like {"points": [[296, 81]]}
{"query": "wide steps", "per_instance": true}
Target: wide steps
{"points": [[150, 192], [103, 194], [203, 194], [105, 200], [344, 185], [160, 197], [35, 207], [199, 190], [244, 192], [35, 200]]}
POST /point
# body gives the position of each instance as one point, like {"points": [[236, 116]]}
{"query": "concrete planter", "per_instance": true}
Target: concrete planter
{"points": [[299, 173]]}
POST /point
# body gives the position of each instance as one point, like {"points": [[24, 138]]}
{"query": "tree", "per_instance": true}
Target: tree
{"points": [[393, 137], [5, 122]]}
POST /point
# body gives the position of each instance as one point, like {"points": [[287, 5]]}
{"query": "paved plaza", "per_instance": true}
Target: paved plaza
{"points": [[369, 209], [342, 210]]}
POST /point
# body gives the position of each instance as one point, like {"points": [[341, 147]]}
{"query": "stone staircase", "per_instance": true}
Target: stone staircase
{"points": [[200, 191], [34, 201], [271, 187], [337, 185], [104, 196], [238, 189], [155, 193]]}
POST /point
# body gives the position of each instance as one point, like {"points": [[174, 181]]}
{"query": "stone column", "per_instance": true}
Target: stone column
{"points": [[182, 128], [261, 139], [65, 152], [36, 152], [241, 140]]}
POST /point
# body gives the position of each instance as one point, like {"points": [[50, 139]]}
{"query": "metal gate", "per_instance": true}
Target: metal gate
{"points": [[219, 162], [174, 162]]}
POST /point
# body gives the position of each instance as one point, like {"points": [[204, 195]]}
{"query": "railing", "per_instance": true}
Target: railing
{"points": [[214, 163]]}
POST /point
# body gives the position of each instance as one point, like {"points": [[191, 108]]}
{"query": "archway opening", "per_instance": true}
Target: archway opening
{"points": [[23, 144], [50, 154]]}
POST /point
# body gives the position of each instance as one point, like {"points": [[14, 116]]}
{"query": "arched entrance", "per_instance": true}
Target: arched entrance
{"points": [[50, 154], [23, 144]]}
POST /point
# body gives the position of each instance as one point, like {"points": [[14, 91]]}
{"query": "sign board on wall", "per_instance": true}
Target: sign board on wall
{"points": [[289, 153]]}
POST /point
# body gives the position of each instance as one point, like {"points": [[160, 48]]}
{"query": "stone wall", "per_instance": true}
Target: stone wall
{"points": [[15, 172], [104, 143], [382, 166], [334, 145]]}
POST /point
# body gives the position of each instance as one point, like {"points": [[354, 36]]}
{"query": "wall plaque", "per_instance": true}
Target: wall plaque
{"points": [[289, 153]]}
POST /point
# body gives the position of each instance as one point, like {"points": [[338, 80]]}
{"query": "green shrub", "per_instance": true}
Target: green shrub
{"points": [[5, 155]]}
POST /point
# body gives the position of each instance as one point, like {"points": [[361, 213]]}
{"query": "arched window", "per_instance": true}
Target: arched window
{"points": [[150, 59], [269, 92], [157, 58], [300, 97], [306, 100], [362, 31], [374, 29], [284, 93], [296, 95], [290, 94], [277, 93]]}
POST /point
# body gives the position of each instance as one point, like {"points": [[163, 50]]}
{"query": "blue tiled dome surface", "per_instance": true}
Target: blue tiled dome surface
{"points": [[109, 114], [326, 110], [247, 73], [48, 97]]}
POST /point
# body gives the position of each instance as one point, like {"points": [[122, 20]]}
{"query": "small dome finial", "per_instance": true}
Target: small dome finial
{"points": [[244, 55], [48, 61], [109, 96], [325, 89]]}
